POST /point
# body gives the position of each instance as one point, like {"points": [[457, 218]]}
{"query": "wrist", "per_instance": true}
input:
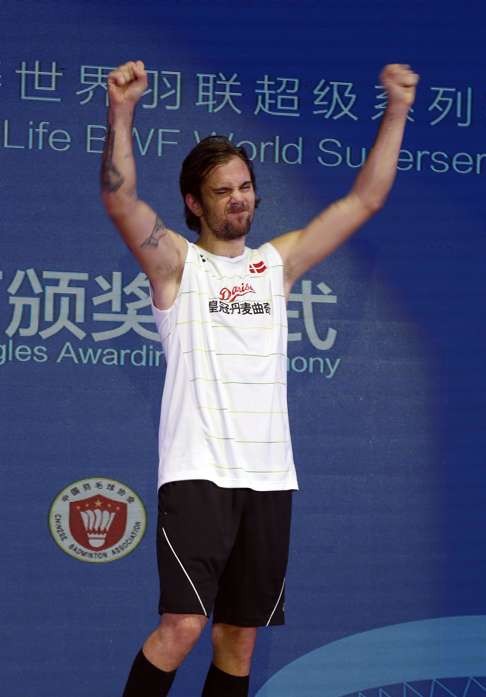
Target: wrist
{"points": [[397, 110], [121, 115]]}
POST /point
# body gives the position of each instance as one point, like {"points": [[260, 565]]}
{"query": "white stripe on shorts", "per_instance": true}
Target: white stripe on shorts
{"points": [[187, 575], [276, 604]]}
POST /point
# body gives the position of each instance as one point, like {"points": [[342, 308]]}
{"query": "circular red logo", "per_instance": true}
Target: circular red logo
{"points": [[97, 519]]}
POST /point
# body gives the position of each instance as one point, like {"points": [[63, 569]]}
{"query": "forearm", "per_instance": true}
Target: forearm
{"points": [[377, 175], [118, 172]]}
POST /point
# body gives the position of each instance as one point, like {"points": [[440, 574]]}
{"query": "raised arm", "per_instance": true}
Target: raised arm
{"points": [[302, 249], [159, 251]]}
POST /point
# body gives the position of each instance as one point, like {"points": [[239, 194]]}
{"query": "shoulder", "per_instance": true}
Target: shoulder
{"points": [[270, 253]]}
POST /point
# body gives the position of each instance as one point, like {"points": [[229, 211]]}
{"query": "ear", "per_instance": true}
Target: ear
{"points": [[194, 205]]}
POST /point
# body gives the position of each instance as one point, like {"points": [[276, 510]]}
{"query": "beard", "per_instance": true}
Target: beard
{"points": [[230, 228]]}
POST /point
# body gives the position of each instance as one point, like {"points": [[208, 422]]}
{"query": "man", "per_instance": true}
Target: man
{"points": [[226, 470]]}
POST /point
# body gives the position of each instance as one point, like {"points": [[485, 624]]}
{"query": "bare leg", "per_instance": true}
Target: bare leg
{"points": [[229, 673], [173, 639], [233, 648], [154, 668]]}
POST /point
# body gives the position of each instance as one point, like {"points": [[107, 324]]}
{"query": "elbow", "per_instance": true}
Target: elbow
{"points": [[117, 205], [369, 204], [111, 206], [374, 205]]}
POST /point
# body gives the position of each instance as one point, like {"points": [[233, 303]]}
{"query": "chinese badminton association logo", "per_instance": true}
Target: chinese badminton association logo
{"points": [[97, 520]]}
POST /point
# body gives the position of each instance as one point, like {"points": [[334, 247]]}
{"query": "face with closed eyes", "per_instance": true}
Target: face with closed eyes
{"points": [[227, 202]]}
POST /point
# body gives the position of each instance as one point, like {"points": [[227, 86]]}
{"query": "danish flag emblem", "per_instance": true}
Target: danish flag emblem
{"points": [[258, 267]]}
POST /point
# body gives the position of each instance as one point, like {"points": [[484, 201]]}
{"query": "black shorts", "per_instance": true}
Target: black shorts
{"points": [[223, 551]]}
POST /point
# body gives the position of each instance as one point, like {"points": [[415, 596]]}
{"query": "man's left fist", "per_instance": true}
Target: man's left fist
{"points": [[400, 82]]}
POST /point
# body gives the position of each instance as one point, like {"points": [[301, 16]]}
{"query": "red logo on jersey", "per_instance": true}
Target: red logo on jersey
{"points": [[230, 294], [258, 267]]}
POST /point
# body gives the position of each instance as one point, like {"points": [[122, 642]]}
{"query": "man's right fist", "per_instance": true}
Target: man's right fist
{"points": [[127, 83]]}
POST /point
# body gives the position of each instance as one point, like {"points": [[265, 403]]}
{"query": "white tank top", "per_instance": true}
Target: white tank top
{"points": [[224, 405]]}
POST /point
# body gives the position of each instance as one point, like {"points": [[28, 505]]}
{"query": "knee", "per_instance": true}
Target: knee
{"points": [[237, 642], [181, 630]]}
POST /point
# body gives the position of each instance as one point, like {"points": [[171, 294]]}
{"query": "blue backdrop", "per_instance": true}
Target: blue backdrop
{"points": [[386, 338]]}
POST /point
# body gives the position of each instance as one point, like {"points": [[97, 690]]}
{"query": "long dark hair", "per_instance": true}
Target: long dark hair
{"points": [[208, 153]]}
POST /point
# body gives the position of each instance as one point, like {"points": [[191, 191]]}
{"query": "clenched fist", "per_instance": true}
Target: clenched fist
{"points": [[399, 82], [127, 83]]}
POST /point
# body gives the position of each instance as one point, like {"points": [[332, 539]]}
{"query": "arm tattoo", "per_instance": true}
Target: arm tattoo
{"points": [[111, 178], [159, 230]]}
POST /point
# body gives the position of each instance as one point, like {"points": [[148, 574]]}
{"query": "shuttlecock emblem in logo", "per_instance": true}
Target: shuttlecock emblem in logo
{"points": [[97, 522]]}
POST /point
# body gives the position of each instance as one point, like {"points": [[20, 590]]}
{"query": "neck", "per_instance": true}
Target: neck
{"points": [[222, 248]]}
